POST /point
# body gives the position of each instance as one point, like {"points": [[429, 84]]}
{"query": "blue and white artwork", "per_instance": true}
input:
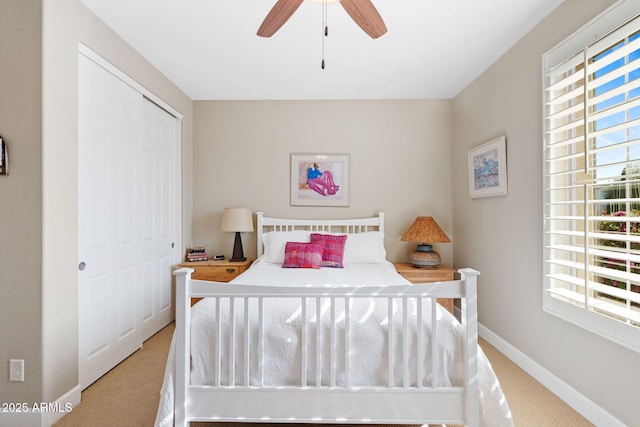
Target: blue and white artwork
{"points": [[486, 170]]}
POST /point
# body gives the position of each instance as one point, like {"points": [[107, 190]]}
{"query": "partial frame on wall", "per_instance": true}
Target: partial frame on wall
{"points": [[488, 169], [4, 158], [319, 179]]}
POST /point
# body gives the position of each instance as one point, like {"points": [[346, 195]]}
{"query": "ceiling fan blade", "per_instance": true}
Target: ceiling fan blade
{"points": [[365, 14], [278, 15]]}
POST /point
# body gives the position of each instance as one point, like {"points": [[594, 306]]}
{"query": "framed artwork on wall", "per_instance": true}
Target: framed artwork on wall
{"points": [[319, 179], [488, 169]]}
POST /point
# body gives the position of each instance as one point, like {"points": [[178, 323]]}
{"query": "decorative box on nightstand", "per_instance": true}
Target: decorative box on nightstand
{"points": [[429, 275], [216, 271]]}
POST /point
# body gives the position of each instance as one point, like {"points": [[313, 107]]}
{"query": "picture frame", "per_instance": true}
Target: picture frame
{"points": [[4, 158], [319, 179], [488, 169]]}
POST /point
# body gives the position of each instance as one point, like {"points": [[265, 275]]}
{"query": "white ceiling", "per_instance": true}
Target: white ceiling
{"points": [[209, 48]]}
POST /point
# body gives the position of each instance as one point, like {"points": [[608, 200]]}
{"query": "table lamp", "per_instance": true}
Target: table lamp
{"points": [[425, 231], [237, 220]]}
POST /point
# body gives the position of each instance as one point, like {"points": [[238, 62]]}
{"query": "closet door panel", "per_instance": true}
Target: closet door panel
{"points": [[109, 220]]}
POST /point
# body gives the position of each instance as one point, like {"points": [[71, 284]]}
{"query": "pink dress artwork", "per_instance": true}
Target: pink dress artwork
{"points": [[321, 182]]}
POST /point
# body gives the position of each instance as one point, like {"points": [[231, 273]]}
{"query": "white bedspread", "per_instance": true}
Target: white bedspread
{"points": [[266, 273], [282, 364]]}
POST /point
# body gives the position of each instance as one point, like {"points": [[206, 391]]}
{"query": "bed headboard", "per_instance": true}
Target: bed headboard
{"points": [[351, 225]]}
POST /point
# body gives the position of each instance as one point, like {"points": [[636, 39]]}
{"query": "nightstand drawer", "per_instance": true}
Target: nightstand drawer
{"points": [[216, 274], [426, 275], [432, 276]]}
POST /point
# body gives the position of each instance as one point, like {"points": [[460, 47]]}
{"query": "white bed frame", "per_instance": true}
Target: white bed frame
{"points": [[312, 402]]}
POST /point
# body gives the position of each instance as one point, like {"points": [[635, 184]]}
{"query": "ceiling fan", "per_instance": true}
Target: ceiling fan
{"points": [[363, 12]]}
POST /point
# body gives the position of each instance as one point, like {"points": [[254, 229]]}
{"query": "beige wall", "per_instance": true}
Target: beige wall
{"points": [[502, 236], [38, 201], [20, 196], [399, 153]]}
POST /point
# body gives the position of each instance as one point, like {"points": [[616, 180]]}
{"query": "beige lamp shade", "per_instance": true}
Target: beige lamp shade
{"points": [[425, 231], [237, 220]]}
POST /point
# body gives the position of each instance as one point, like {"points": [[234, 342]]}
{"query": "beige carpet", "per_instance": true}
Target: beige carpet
{"points": [[128, 395]]}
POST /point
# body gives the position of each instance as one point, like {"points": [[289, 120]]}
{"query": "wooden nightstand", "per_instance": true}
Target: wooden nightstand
{"points": [[216, 271], [429, 275]]}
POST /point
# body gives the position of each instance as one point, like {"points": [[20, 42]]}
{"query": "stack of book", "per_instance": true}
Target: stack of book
{"points": [[197, 254]]}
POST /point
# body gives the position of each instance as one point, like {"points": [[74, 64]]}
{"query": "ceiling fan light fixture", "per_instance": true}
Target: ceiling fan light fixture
{"points": [[324, 1]]}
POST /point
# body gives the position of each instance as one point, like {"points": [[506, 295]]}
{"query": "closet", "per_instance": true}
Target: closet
{"points": [[128, 216]]}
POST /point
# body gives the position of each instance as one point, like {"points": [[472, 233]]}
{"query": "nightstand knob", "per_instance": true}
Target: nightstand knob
{"points": [[231, 270]]}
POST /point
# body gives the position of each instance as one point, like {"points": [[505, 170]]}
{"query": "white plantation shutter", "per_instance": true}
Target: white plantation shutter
{"points": [[592, 182]]}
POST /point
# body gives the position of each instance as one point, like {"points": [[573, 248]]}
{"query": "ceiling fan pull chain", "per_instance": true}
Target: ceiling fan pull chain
{"points": [[326, 29]]}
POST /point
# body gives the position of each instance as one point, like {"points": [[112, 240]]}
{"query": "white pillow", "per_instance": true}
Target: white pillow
{"points": [[274, 243], [365, 248]]}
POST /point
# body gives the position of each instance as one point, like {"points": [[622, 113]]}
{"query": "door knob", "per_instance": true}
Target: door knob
{"points": [[82, 266]]}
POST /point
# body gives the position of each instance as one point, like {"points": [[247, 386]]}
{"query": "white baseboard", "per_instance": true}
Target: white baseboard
{"points": [[42, 414], [585, 407], [66, 403]]}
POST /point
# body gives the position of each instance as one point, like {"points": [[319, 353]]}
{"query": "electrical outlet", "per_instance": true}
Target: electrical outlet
{"points": [[16, 370]]}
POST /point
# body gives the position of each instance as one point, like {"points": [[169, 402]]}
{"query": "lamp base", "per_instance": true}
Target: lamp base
{"points": [[424, 258], [238, 253]]}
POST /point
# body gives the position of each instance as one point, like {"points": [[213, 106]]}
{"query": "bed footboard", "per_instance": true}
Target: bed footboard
{"points": [[327, 396]]}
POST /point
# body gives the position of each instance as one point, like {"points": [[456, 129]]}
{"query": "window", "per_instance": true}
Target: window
{"points": [[592, 177]]}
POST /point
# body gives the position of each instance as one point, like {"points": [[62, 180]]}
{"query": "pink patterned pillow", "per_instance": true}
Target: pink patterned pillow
{"points": [[303, 255], [333, 248]]}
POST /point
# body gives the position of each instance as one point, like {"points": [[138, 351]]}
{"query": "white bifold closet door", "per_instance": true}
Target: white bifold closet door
{"points": [[159, 205], [126, 219]]}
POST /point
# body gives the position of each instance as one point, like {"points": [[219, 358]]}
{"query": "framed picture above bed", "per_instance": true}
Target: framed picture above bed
{"points": [[488, 169], [319, 179]]}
